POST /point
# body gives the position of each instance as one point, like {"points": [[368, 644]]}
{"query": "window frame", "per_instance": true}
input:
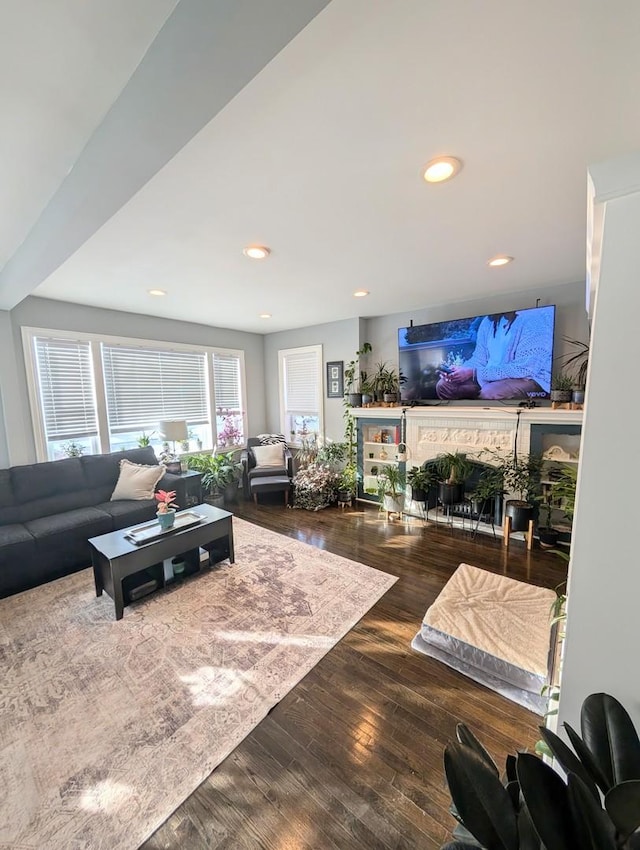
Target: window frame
{"points": [[282, 355], [37, 418]]}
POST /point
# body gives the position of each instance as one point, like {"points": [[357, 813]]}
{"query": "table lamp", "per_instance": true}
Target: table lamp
{"points": [[174, 430]]}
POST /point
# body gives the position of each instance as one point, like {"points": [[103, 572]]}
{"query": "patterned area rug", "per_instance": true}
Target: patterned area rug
{"points": [[106, 727]]}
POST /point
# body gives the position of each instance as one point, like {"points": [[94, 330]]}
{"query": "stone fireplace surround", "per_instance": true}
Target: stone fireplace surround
{"points": [[435, 429]]}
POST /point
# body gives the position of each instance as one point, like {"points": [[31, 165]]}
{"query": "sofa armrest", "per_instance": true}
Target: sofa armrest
{"points": [[170, 481], [288, 459], [244, 460]]}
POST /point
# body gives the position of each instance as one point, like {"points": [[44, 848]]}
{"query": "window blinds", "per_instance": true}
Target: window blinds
{"points": [[301, 384], [227, 381], [144, 386], [65, 382]]}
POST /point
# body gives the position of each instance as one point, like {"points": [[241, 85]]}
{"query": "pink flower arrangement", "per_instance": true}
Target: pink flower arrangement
{"points": [[165, 500]]}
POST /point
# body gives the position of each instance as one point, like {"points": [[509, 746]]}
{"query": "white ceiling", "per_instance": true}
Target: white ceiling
{"points": [[319, 157], [62, 65]]}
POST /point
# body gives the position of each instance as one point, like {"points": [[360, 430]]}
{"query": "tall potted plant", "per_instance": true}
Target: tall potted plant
{"points": [[353, 376], [420, 478], [452, 469], [521, 475], [220, 472], [489, 486], [391, 489]]}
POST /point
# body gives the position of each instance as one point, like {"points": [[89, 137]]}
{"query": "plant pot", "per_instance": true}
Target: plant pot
{"points": [[215, 499], [450, 494], [345, 495], [418, 495], [355, 399], [167, 519], [577, 396], [548, 537], [390, 398], [520, 513], [561, 396], [231, 492], [393, 504], [367, 398]]}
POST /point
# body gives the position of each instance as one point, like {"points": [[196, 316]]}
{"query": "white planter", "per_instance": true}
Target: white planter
{"points": [[393, 504]]}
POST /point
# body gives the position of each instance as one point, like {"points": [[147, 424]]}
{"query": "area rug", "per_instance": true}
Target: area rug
{"points": [[495, 630], [107, 726]]}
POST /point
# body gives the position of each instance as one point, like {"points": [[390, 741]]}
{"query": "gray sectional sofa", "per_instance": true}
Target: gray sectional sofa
{"points": [[48, 511]]}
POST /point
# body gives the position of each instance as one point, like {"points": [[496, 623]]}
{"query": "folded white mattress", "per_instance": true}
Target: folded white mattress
{"points": [[493, 629]]}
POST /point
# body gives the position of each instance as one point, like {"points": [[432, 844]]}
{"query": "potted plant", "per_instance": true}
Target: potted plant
{"points": [[489, 486], [547, 535], [347, 483], [521, 475], [578, 360], [73, 449], [391, 489], [452, 469], [561, 387], [353, 377], [420, 478], [367, 388], [145, 439], [392, 381], [166, 512], [220, 474]]}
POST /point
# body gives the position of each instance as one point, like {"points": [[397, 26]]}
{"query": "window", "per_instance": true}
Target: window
{"points": [[227, 383], [66, 395], [90, 394], [144, 386], [301, 392]]}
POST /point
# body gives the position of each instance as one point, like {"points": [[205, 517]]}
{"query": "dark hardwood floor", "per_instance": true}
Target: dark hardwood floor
{"points": [[352, 756]]}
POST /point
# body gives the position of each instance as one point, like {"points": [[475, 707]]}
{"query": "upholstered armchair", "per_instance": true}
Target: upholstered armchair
{"points": [[270, 460]]}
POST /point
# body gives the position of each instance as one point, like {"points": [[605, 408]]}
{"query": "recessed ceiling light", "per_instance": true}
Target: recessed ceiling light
{"points": [[441, 168], [499, 260], [256, 252], [360, 293], [265, 315], [156, 292]]}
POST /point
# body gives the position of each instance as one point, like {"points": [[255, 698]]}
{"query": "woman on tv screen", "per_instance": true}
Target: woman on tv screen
{"points": [[511, 359]]}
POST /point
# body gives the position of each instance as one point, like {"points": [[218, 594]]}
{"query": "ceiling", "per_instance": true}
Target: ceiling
{"points": [[318, 155]]}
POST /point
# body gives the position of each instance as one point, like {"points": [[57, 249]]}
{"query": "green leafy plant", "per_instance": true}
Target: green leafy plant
{"points": [[332, 454], [352, 374], [564, 488], [534, 808], [420, 478], [218, 470], [453, 467], [391, 482], [489, 485], [521, 474], [578, 360], [562, 381], [145, 439]]}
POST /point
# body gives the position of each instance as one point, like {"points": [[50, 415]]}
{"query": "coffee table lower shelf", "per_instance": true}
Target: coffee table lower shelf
{"points": [[115, 557]]}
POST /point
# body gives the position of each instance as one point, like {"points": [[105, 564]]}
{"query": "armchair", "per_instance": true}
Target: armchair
{"points": [[252, 470]]}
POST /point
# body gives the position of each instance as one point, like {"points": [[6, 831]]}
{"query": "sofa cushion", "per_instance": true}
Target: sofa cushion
{"points": [[7, 498], [19, 568], [35, 481], [129, 512], [61, 539], [136, 481], [103, 470]]}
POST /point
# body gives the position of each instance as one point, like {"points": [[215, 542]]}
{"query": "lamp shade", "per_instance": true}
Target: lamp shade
{"points": [[174, 429]]}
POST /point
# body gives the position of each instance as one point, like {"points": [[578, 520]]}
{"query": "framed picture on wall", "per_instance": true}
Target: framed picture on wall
{"points": [[335, 378]]}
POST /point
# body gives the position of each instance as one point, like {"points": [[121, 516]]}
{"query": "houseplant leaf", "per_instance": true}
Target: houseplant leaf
{"points": [[465, 736], [587, 759], [623, 805], [592, 827], [510, 768], [480, 798], [546, 797], [568, 760], [610, 735], [527, 835]]}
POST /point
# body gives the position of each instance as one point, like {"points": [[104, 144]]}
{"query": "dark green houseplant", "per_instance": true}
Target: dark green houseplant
{"points": [[489, 486], [420, 478], [521, 475], [220, 474], [597, 807], [353, 377], [452, 469]]}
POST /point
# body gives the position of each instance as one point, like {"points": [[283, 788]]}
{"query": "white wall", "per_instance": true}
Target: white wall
{"points": [[14, 427], [601, 650], [58, 315]]}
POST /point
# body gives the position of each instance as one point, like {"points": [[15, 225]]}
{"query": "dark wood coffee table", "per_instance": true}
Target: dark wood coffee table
{"points": [[114, 557]]}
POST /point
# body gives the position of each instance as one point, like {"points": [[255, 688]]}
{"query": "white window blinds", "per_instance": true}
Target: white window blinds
{"points": [[144, 386], [227, 377], [301, 380], [66, 389]]}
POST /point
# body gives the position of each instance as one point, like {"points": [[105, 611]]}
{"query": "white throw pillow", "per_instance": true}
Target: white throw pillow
{"points": [[136, 481], [268, 455]]}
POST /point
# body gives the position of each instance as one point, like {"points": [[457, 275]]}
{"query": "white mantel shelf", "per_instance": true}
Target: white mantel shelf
{"points": [[533, 415]]}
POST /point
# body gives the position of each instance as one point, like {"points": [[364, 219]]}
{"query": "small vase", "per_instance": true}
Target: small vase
{"points": [[166, 520]]}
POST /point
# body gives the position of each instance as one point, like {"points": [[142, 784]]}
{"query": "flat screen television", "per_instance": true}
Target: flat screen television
{"points": [[496, 357]]}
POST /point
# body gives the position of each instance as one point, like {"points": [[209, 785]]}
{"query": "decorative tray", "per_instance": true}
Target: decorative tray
{"points": [[148, 531]]}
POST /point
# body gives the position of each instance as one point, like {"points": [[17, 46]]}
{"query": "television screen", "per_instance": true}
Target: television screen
{"points": [[498, 357]]}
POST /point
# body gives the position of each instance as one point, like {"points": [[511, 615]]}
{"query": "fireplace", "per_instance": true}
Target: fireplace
{"points": [[490, 512]]}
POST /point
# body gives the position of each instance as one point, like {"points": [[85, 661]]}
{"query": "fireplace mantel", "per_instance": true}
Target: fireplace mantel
{"points": [[504, 413]]}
